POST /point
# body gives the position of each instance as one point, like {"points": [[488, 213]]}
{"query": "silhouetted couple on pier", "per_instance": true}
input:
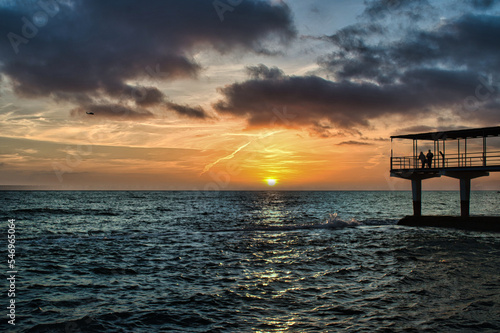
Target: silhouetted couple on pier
{"points": [[426, 159]]}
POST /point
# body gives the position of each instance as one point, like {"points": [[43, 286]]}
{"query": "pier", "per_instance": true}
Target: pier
{"points": [[460, 154]]}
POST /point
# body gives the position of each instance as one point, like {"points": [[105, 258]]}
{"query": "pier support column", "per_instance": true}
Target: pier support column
{"points": [[464, 197], [416, 189], [465, 177]]}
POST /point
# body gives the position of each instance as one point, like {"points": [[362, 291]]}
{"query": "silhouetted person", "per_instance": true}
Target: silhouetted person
{"points": [[421, 157], [442, 155], [430, 155]]}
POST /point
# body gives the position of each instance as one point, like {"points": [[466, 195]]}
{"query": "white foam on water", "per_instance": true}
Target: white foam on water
{"points": [[334, 221]]}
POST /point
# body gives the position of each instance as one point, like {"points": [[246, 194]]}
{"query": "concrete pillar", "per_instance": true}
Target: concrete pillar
{"points": [[416, 189], [464, 196]]}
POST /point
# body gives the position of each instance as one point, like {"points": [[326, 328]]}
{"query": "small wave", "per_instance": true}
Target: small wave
{"points": [[60, 211], [114, 271], [164, 209], [333, 222], [379, 222], [346, 311], [43, 211], [87, 324]]}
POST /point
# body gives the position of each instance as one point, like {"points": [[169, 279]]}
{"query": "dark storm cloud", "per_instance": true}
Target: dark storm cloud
{"points": [[417, 74], [427, 129], [188, 111], [261, 71], [417, 129], [146, 96], [352, 37], [142, 97], [116, 111], [81, 50], [464, 47], [344, 103], [410, 9], [467, 41], [483, 4], [111, 111], [353, 143]]}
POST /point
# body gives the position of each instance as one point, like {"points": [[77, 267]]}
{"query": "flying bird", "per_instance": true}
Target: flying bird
{"points": [[91, 113]]}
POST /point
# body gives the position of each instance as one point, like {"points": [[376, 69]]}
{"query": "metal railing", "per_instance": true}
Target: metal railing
{"points": [[463, 160]]}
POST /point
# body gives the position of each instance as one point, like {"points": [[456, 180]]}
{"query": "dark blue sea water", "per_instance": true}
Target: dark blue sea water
{"points": [[248, 262]]}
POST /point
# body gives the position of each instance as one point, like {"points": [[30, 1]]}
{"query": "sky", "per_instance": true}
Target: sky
{"points": [[227, 94]]}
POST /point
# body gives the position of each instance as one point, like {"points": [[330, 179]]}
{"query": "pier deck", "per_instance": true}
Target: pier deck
{"points": [[467, 160]]}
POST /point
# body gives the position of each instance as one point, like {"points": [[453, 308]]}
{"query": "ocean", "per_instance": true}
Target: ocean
{"points": [[90, 261]]}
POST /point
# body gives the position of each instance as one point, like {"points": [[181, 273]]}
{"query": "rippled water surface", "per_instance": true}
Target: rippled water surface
{"points": [[249, 261]]}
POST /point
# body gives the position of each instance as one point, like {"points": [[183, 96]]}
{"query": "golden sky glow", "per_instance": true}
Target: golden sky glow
{"points": [[231, 112]]}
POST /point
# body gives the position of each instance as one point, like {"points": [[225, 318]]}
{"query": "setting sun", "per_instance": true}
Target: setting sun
{"points": [[271, 182]]}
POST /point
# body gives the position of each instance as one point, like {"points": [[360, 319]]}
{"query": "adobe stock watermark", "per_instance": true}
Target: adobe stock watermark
{"points": [[282, 116], [391, 6], [485, 90], [11, 271], [9, 107], [29, 28], [156, 74], [443, 291], [74, 157], [86, 323], [221, 7], [222, 179], [76, 154], [138, 93]]}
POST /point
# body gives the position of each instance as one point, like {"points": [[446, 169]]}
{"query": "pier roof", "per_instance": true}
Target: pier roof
{"points": [[453, 135]]}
